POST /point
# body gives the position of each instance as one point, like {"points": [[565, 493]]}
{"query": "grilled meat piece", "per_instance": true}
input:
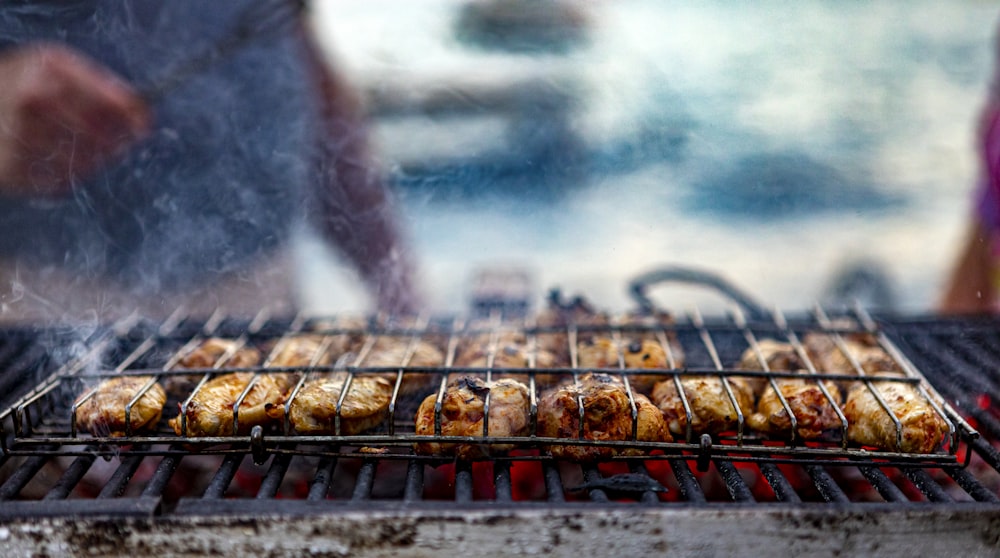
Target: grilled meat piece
{"points": [[634, 350], [343, 325], [659, 320], [597, 352], [559, 317], [507, 350], [462, 413], [314, 408], [777, 355], [594, 344], [646, 353], [556, 346], [301, 350], [603, 352], [213, 352], [103, 413], [712, 410], [396, 351], [607, 417], [871, 358], [923, 429], [814, 413], [830, 358], [392, 351], [210, 412], [344, 335]]}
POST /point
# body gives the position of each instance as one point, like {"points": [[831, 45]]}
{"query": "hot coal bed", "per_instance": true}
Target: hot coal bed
{"points": [[272, 491]]}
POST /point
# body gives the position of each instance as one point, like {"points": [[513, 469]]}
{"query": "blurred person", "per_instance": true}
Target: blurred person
{"points": [[113, 199], [974, 283]]}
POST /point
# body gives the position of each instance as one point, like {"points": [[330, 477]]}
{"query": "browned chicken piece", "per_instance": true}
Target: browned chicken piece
{"points": [[646, 353], [712, 411], [103, 413], [211, 353], [392, 351], [779, 356], [462, 413], [395, 351], [301, 350], [557, 319], [658, 319], [603, 352], [345, 334], [314, 409], [607, 417], [556, 346], [509, 350], [597, 352], [505, 357], [923, 429], [828, 357], [814, 413], [210, 412], [211, 350], [483, 332], [635, 350], [871, 358], [341, 324]]}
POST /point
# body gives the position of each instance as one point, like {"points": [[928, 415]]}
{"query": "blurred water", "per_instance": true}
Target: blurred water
{"points": [[775, 143]]}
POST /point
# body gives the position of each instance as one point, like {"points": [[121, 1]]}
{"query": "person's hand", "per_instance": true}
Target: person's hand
{"points": [[62, 116]]}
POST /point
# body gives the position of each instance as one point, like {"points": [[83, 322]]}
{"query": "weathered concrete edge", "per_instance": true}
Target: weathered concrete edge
{"points": [[859, 530]]}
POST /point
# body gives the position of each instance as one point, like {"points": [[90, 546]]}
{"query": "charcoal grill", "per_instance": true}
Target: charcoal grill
{"points": [[277, 492]]}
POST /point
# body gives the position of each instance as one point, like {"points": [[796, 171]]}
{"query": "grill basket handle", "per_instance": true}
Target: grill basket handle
{"points": [[678, 274]]}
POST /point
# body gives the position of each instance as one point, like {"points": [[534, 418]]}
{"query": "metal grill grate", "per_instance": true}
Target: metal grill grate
{"points": [[49, 467]]}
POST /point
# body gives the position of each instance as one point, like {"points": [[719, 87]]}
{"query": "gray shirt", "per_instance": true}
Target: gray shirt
{"points": [[221, 179]]}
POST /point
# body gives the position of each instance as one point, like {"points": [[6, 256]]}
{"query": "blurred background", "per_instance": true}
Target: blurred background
{"points": [[802, 150]]}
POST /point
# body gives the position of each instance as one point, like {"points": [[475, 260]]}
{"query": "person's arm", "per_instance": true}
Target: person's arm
{"points": [[61, 117], [356, 212], [970, 288]]}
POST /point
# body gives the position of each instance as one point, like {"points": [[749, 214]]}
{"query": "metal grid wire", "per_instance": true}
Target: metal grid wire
{"points": [[45, 420], [47, 468]]}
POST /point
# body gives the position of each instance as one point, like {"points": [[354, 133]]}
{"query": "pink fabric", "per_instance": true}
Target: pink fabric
{"points": [[988, 202], [991, 147]]}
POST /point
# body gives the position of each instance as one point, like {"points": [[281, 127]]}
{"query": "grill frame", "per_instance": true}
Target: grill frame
{"points": [[685, 469], [21, 418]]}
